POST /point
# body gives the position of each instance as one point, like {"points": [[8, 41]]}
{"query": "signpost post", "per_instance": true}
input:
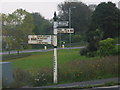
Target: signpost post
{"points": [[51, 39], [55, 48]]}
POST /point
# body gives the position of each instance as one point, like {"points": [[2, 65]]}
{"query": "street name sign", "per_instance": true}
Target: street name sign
{"points": [[40, 39], [65, 30], [63, 23]]}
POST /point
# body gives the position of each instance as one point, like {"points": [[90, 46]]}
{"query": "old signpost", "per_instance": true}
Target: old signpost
{"points": [[51, 39], [40, 39]]}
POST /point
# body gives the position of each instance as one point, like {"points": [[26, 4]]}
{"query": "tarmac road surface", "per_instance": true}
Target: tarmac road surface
{"points": [[36, 50]]}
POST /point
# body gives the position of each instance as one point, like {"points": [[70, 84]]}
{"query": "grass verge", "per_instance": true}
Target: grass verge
{"points": [[45, 59]]}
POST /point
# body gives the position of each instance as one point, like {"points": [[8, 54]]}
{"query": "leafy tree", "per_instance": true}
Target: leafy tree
{"points": [[80, 15], [106, 17], [93, 39], [17, 27], [6, 25], [42, 26], [80, 19]]}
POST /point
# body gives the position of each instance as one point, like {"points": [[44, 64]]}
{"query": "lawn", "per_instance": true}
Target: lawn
{"points": [[45, 59]]}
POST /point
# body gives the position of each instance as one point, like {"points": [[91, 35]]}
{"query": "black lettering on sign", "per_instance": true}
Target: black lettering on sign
{"points": [[40, 42], [33, 38]]}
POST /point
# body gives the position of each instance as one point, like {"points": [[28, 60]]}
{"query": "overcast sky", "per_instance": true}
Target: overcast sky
{"points": [[45, 7]]}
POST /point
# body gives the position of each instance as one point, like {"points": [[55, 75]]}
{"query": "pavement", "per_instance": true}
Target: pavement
{"points": [[37, 50], [84, 84]]}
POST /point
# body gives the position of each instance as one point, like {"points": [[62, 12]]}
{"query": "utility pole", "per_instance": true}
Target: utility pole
{"points": [[60, 40], [55, 49], [70, 23]]}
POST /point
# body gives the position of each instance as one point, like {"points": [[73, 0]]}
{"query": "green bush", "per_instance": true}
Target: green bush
{"points": [[117, 50], [41, 77], [91, 54], [86, 52], [83, 51], [106, 47]]}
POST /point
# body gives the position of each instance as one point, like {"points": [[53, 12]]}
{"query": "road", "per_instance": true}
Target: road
{"points": [[82, 84], [78, 85], [37, 50], [117, 87]]}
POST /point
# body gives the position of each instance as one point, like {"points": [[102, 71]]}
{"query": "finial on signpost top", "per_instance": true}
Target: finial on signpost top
{"points": [[55, 17]]}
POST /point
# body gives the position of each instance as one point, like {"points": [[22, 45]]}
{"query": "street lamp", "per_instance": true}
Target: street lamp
{"points": [[70, 23]]}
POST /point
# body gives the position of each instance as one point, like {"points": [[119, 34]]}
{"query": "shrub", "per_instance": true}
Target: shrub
{"points": [[117, 50], [106, 47], [91, 54], [41, 77], [83, 51], [93, 38], [31, 77]]}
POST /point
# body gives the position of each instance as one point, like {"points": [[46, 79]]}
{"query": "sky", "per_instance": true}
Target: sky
{"points": [[45, 7]]}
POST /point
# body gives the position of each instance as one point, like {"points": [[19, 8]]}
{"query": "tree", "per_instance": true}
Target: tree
{"points": [[6, 32], [93, 39], [80, 19], [42, 26], [106, 17], [80, 15], [17, 27]]}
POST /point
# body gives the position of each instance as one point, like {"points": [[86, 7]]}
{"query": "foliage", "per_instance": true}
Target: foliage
{"points": [[106, 17], [42, 26], [104, 24], [106, 47], [41, 77], [92, 54], [93, 37], [80, 19], [76, 38], [31, 78], [117, 40], [21, 75], [117, 50], [16, 28], [86, 52], [83, 51]]}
